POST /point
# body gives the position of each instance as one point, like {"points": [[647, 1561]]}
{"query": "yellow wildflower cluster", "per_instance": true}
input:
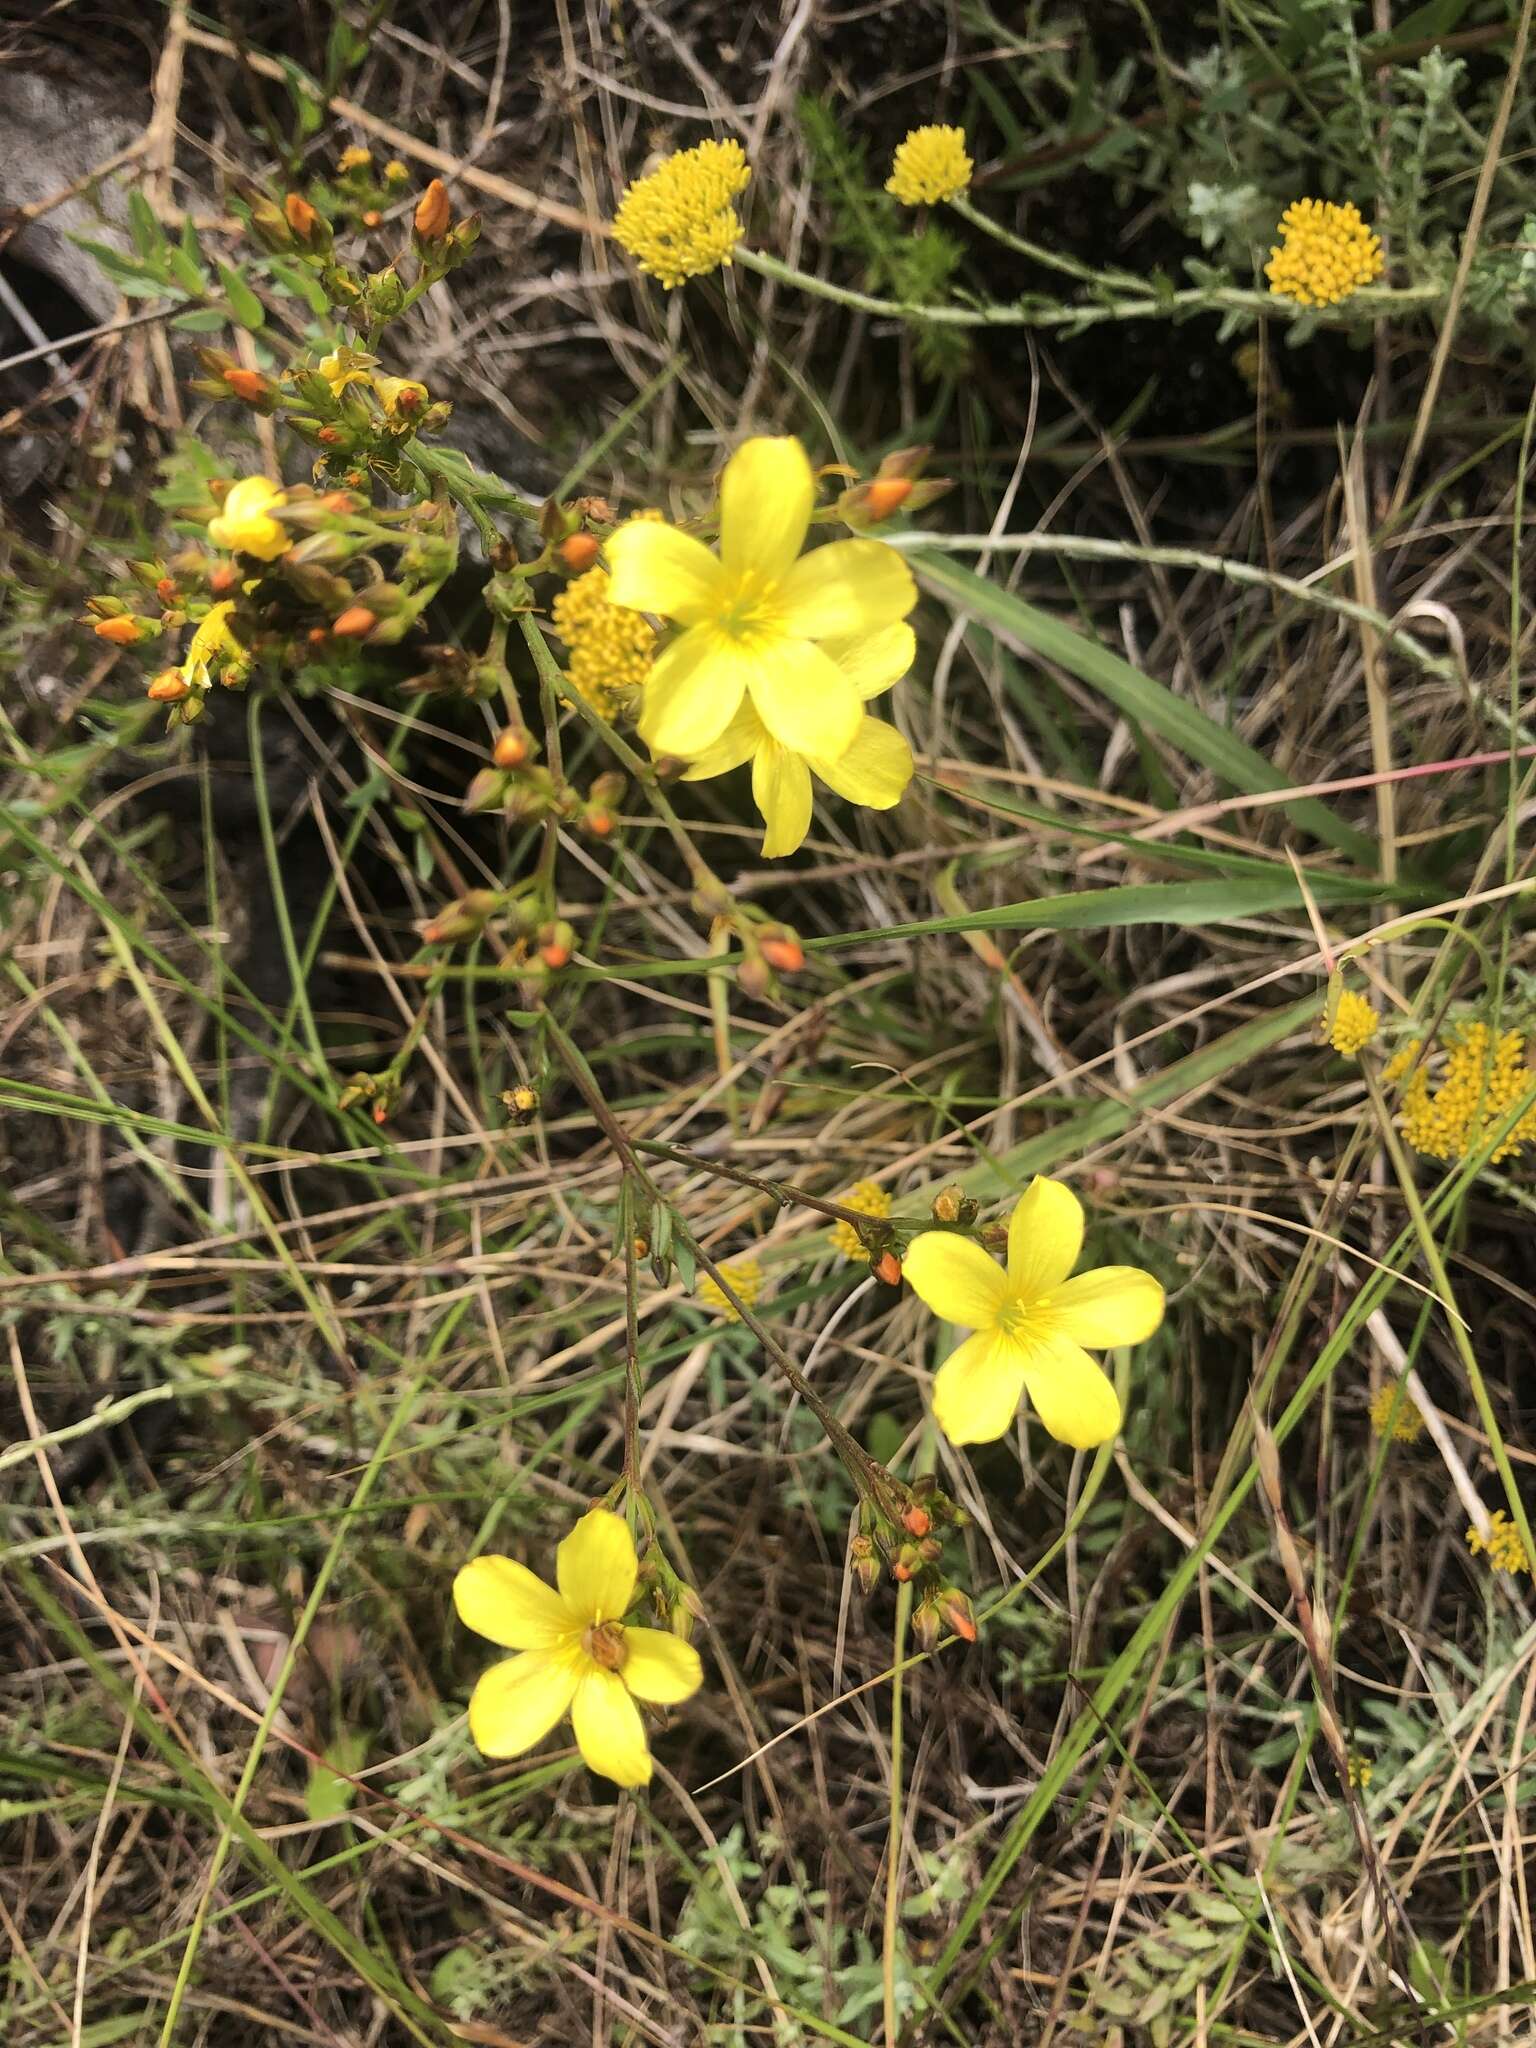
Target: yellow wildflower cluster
{"points": [[745, 1278], [1484, 1078], [1503, 1544], [679, 222], [930, 165], [611, 648], [869, 1200], [1394, 1411], [1354, 1025], [1325, 253], [1361, 1770]]}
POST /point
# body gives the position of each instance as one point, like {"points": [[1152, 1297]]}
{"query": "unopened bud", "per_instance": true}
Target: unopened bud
{"points": [[916, 1520], [512, 747], [249, 385], [946, 1204], [464, 918], [557, 942], [486, 791], [433, 213], [753, 977], [355, 623], [885, 495], [169, 687], [957, 1614], [887, 1268], [222, 577], [907, 1562], [308, 226], [866, 1564], [925, 1624], [123, 631], [781, 949], [578, 551]]}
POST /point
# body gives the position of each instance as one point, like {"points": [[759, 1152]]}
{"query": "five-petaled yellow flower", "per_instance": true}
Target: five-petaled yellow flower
{"points": [[755, 618], [211, 639], [874, 771], [1031, 1323], [245, 524], [576, 1654]]}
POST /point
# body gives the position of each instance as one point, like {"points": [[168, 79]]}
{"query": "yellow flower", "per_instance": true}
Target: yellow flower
{"points": [[870, 1199], [1394, 1409], [1355, 1023], [1503, 1543], [344, 366], [576, 1654], [930, 165], [1361, 1770], [1482, 1080], [1326, 252], [245, 524], [354, 158], [679, 222], [1031, 1323], [754, 617], [392, 389], [873, 772], [211, 639], [745, 1278], [611, 649]]}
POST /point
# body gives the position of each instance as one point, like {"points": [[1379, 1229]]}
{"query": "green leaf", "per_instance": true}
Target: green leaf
{"points": [[148, 235], [187, 272], [1142, 699], [302, 283], [243, 302], [201, 320], [328, 1793]]}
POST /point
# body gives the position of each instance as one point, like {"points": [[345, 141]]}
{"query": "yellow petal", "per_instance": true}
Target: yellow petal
{"points": [[977, 1389], [765, 506], [846, 588], [781, 789], [517, 1702], [1070, 1394], [660, 1667], [1045, 1238], [873, 661], [609, 1731], [504, 1601], [875, 770], [595, 1567], [693, 692], [739, 742], [956, 1279], [804, 699], [1114, 1305], [654, 568]]}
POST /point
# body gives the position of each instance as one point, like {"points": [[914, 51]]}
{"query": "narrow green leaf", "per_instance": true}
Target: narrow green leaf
{"points": [[148, 235], [201, 320], [329, 1792], [243, 302], [1145, 701], [187, 272]]}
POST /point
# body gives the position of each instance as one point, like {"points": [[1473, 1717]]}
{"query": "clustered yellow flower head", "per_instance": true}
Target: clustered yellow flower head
{"points": [[1503, 1543], [870, 1199], [678, 222], [744, 1278], [1394, 1409], [778, 652], [577, 1654], [1355, 1023], [1031, 1322], [930, 165], [1325, 253], [1481, 1081], [611, 649], [244, 523]]}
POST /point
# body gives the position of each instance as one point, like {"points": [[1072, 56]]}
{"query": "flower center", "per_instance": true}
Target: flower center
{"points": [[604, 1644], [1023, 1320], [746, 605]]}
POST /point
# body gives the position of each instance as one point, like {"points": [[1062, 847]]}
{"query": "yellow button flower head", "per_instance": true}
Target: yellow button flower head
{"points": [[679, 222], [245, 524], [930, 165], [1031, 1323], [211, 639], [1503, 1543], [1326, 252], [1482, 1080], [1394, 1409], [755, 618], [870, 1199], [576, 1654], [745, 1279], [1354, 1025], [873, 772], [611, 649]]}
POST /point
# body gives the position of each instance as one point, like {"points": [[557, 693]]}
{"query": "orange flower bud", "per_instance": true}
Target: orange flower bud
{"points": [[956, 1610], [122, 631], [887, 494], [165, 590], [887, 1268], [300, 215], [169, 687], [917, 1521], [784, 951], [355, 623], [317, 636], [600, 823], [511, 748], [432, 212], [380, 1111], [329, 435], [578, 551], [248, 384], [223, 576]]}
